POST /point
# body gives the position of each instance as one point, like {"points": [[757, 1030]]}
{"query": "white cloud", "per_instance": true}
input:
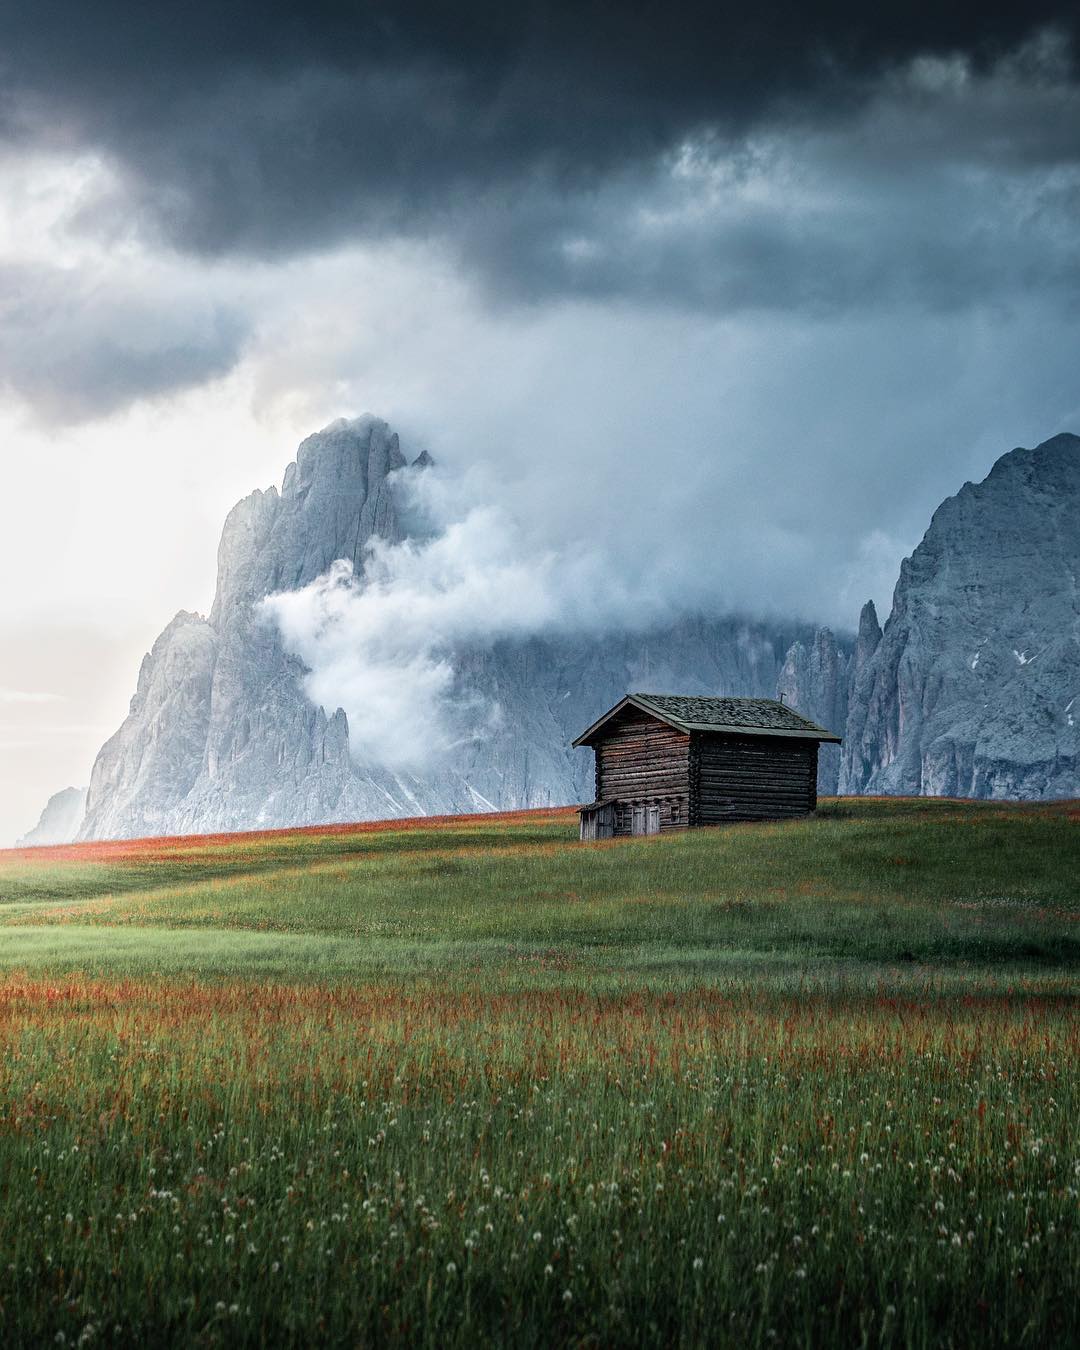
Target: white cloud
{"points": [[93, 321], [27, 696], [621, 448], [383, 646]]}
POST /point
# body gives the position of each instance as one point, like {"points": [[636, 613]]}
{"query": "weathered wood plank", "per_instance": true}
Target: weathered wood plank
{"points": [[746, 778], [703, 778], [641, 757]]}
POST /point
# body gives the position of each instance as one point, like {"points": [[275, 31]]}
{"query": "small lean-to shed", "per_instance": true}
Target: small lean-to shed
{"points": [[668, 762]]}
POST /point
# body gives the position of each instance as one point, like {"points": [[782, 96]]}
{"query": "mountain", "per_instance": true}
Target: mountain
{"points": [[968, 690], [971, 688], [59, 821], [815, 679], [220, 735]]}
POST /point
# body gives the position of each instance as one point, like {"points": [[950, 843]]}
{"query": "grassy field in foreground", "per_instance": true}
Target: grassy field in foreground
{"points": [[468, 1081]]}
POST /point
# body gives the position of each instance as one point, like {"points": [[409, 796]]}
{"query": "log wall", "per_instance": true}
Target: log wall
{"points": [[643, 760], [708, 778], [751, 778], [674, 814]]}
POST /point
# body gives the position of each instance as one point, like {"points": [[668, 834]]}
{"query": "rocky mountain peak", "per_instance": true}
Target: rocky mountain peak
{"points": [[221, 734], [1046, 467], [814, 681], [334, 499], [869, 632], [970, 689], [59, 821]]}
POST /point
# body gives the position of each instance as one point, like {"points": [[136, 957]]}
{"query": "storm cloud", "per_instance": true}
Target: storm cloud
{"points": [[76, 346], [718, 300], [780, 157], [512, 130]]}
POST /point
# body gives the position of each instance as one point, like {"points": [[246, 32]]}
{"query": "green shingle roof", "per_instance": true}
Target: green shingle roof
{"points": [[747, 716]]}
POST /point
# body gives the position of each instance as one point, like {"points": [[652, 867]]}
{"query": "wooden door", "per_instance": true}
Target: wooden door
{"points": [[645, 819]]}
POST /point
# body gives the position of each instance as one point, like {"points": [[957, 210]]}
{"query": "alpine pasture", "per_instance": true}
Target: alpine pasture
{"points": [[464, 1082]]}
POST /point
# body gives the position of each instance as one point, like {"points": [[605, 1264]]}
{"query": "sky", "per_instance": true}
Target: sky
{"points": [[726, 299]]}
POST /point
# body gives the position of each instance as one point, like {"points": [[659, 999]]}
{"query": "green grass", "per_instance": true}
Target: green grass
{"points": [[864, 881], [471, 1083]]}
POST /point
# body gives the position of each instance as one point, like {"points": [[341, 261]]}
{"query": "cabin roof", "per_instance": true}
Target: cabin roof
{"points": [[744, 716]]}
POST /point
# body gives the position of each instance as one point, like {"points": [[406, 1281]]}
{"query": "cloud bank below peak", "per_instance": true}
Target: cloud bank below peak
{"points": [[386, 646]]}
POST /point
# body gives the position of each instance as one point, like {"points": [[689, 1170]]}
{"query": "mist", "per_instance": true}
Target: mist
{"points": [[384, 645], [693, 317]]}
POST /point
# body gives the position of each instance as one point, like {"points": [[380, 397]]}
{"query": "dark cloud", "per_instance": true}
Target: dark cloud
{"points": [[76, 348], [263, 128], [927, 203], [820, 160]]}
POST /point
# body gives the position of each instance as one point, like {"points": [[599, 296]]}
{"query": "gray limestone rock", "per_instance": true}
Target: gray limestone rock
{"points": [[972, 688], [856, 754], [814, 680], [221, 736], [144, 773], [60, 820]]}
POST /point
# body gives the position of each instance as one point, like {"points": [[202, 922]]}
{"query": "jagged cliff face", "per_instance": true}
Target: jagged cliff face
{"points": [[59, 821], [814, 680], [972, 688], [221, 736]]}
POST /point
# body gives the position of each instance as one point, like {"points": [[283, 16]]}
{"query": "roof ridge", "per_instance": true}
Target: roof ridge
{"points": [[722, 712], [711, 698]]}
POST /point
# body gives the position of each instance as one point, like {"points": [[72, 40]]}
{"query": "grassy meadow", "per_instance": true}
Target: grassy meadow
{"points": [[467, 1081]]}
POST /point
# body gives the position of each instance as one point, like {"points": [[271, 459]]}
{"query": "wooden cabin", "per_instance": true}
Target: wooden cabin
{"points": [[669, 762]]}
